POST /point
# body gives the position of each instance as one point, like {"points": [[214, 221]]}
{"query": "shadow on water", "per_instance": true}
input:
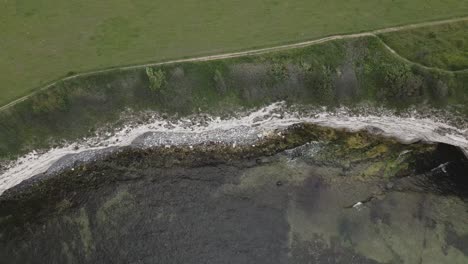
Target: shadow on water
{"points": [[444, 173]]}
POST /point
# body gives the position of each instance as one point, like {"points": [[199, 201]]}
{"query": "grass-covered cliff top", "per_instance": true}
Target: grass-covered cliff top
{"points": [[442, 46], [43, 40]]}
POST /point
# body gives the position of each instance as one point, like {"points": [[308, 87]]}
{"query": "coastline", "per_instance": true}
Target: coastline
{"points": [[247, 129]]}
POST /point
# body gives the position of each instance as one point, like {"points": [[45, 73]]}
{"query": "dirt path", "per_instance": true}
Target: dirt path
{"points": [[372, 33]]}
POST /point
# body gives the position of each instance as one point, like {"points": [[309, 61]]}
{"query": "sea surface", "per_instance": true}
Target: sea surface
{"points": [[150, 193]]}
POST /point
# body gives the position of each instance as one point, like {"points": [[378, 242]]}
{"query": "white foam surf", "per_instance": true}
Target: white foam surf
{"points": [[245, 129]]}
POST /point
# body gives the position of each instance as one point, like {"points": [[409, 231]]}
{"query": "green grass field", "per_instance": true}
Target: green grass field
{"points": [[444, 46], [43, 40]]}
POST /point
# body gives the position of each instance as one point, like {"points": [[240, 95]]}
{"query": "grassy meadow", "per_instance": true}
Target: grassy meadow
{"points": [[444, 46], [43, 40]]}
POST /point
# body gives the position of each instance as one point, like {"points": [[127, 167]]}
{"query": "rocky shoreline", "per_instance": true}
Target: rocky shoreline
{"points": [[345, 150], [51, 202], [245, 129]]}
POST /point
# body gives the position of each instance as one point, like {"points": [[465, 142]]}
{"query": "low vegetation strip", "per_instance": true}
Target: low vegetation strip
{"points": [[418, 63], [265, 50], [44, 39], [443, 46]]}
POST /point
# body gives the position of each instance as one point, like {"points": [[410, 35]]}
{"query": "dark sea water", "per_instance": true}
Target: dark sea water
{"points": [[292, 207]]}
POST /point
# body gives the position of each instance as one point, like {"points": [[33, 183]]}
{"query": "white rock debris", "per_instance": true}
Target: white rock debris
{"points": [[246, 129]]}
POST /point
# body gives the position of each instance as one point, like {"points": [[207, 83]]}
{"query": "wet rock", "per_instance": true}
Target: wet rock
{"points": [[389, 185]]}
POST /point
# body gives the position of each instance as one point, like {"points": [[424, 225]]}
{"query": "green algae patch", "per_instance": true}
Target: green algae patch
{"points": [[79, 221], [377, 151], [396, 168], [357, 141], [85, 232], [117, 205], [66, 251], [375, 169], [63, 205]]}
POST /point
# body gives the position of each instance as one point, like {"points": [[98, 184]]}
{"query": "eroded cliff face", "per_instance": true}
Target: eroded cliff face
{"points": [[342, 72], [306, 194]]}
